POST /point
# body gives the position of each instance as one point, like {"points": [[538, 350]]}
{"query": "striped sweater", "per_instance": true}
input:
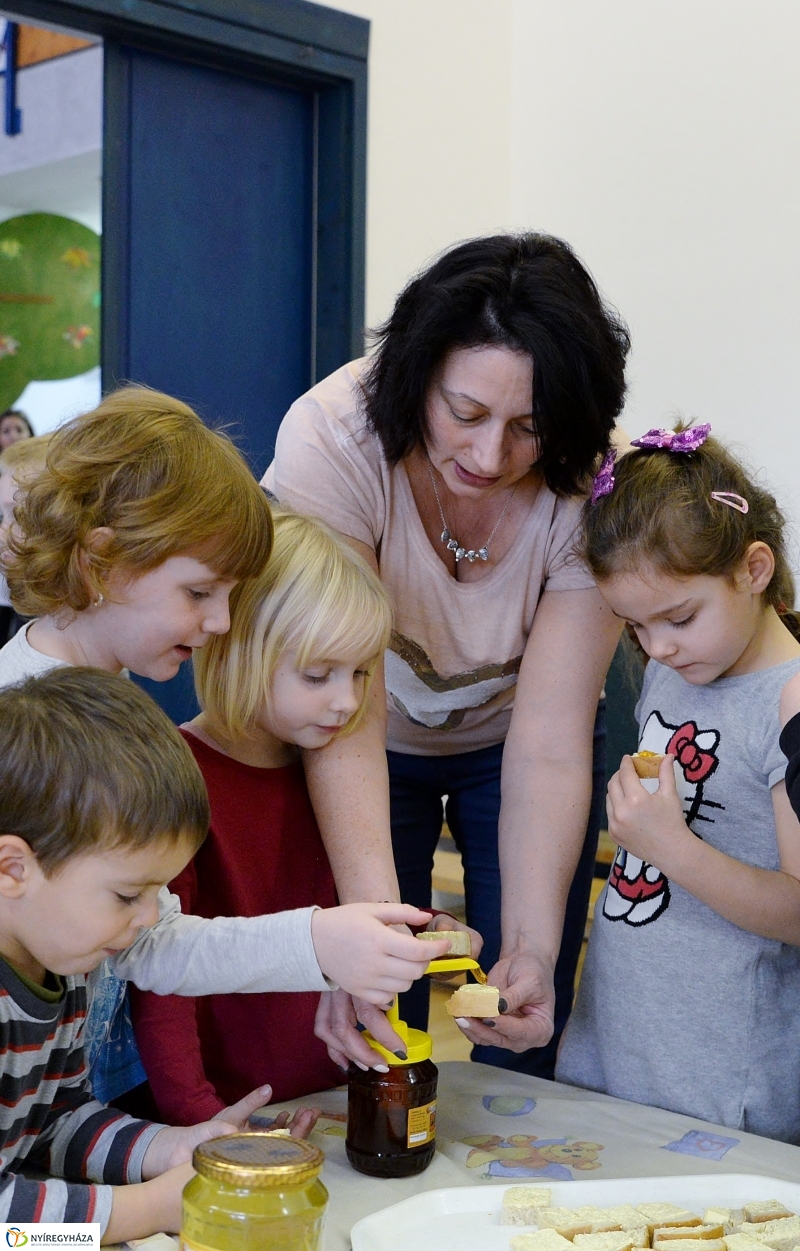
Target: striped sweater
{"points": [[50, 1123]]}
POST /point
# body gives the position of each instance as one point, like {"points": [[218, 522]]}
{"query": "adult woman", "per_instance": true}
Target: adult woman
{"points": [[14, 425], [493, 391]]}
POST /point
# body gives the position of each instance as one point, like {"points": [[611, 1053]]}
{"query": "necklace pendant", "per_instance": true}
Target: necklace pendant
{"points": [[452, 545], [460, 553], [483, 553], [472, 556], [445, 535]]}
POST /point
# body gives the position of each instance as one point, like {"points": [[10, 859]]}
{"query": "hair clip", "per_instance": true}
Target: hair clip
{"points": [[603, 481], [732, 500], [675, 440]]}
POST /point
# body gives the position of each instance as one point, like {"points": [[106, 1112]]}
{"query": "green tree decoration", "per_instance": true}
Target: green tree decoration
{"points": [[49, 301]]}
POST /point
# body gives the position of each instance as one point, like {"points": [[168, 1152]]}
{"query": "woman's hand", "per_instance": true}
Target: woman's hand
{"points": [[358, 949], [446, 922], [337, 1022], [649, 825], [526, 987]]}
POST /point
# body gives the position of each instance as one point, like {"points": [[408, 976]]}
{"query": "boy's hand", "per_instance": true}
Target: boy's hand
{"points": [[174, 1145], [650, 826], [446, 922], [357, 948]]}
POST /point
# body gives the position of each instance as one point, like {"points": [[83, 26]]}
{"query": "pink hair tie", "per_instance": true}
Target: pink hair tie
{"points": [[732, 500], [603, 481]]}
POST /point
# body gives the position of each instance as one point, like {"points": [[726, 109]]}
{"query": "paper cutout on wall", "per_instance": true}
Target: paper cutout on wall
{"points": [[49, 301]]}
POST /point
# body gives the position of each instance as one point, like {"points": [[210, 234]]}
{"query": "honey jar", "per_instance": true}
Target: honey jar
{"points": [[254, 1190]]}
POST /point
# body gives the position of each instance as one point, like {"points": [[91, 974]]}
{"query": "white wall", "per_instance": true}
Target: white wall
{"points": [[439, 135], [663, 140]]}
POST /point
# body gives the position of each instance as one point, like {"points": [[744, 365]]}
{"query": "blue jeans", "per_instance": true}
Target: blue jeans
{"points": [[471, 782]]}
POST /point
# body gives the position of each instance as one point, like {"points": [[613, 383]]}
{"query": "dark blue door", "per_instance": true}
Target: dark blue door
{"points": [[216, 208]]}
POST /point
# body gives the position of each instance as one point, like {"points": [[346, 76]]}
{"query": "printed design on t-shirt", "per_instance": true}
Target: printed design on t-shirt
{"points": [[425, 698], [638, 892]]}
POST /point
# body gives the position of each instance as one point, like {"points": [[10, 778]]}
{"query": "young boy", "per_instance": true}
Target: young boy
{"points": [[101, 804]]}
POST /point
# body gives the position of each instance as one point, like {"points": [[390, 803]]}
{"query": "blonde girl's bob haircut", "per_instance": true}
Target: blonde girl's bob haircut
{"points": [[317, 598], [25, 457], [144, 470]]}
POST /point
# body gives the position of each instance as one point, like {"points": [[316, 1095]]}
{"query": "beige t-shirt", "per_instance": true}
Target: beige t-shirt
{"points": [[456, 649]]}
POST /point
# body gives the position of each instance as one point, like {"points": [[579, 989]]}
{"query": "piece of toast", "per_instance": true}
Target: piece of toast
{"points": [[666, 1215], [459, 940], [647, 763], [474, 1000], [765, 1210], [676, 1235], [521, 1204], [540, 1240], [617, 1240]]}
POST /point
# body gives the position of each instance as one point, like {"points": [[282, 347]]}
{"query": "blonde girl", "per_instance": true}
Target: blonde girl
{"points": [[125, 550], [690, 997], [293, 673]]}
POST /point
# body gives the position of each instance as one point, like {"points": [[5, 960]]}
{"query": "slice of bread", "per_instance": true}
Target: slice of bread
{"points": [[568, 1221], [540, 1240], [743, 1242], [694, 1244], [765, 1210], [474, 1000], [678, 1233], [459, 941], [666, 1215], [521, 1204], [782, 1234], [616, 1240], [647, 763]]}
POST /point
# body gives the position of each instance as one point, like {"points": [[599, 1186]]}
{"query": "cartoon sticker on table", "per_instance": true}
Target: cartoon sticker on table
{"points": [[525, 1155], [706, 1146], [508, 1105]]}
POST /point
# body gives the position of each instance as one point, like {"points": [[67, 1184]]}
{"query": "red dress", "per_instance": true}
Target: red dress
{"points": [[263, 853]]}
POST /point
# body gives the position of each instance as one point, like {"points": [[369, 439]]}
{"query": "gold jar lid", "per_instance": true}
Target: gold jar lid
{"points": [[258, 1161]]}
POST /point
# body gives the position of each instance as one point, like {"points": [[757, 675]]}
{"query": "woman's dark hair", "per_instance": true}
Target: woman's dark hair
{"points": [[529, 293], [23, 417]]}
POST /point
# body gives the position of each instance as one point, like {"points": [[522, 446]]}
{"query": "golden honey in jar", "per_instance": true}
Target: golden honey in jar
{"points": [[391, 1117], [254, 1191]]}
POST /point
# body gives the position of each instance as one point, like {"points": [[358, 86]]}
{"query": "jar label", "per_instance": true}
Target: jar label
{"points": [[422, 1124]]}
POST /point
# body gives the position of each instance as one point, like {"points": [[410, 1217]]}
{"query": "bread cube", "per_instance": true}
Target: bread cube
{"points": [[521, 1204], [765, 1210], [540, 1240]]}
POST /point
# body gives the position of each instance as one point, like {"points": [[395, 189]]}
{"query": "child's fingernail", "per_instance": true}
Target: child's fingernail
{"points": [[364, 1067], [489, 1023], [361, 1028], [502, 1005], [265, 1090], [381, 1068], [401, 1055]]}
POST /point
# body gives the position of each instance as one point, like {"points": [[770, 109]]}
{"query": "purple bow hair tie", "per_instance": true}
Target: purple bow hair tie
{"points": [[669, 440], [675, 441]]}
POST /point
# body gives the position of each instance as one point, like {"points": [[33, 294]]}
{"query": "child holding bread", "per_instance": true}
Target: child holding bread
{"points": [[690, 996], [125, 549], [292, 673]]}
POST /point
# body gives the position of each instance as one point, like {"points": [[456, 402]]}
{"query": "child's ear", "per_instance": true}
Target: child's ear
{"points": [[17, 866], [757, 567], [94, 545]]}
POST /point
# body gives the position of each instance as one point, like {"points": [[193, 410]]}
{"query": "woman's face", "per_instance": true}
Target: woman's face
{"points": [[480, 421], [12, 429]]}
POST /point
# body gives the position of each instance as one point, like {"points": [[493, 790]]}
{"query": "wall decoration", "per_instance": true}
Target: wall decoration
{"points": [[49, 301]]}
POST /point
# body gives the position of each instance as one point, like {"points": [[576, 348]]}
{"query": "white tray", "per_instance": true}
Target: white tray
{"points": [[466, 1218]]}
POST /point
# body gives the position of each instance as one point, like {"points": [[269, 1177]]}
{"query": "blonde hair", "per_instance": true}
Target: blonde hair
{"points": [[25, 456], [317, 597], [145, 466]]}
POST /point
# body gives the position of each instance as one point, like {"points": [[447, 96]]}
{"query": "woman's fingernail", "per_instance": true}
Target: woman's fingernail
{"points": [[361, 1028], [502, 1005], [489, 1023], [364, 1067], [401, 1055], [381, 1068], [464, 1022]]}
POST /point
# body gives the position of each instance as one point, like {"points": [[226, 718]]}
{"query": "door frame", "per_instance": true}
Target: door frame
{"points": [[290, 42]]}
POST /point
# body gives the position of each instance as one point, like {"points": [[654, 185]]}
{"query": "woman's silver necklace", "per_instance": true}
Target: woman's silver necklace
{"points": [[453, 545]]}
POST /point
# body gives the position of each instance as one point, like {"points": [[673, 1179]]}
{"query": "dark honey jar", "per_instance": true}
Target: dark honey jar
{"points": [[391, 1117]]}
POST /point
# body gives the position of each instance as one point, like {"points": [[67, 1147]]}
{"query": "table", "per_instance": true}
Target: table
{"points": [[493, 1126]]}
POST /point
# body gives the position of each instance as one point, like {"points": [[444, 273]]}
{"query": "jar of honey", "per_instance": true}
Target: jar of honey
{"points": [[254, 1191], [391, 1117]]}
